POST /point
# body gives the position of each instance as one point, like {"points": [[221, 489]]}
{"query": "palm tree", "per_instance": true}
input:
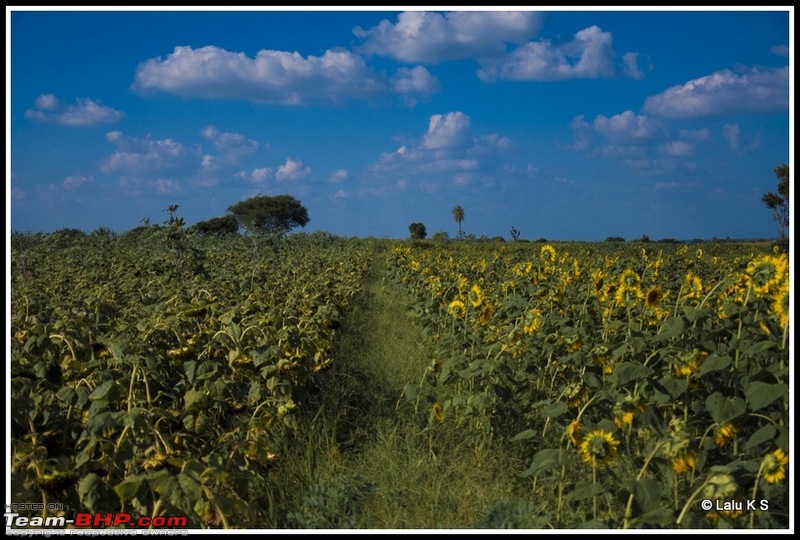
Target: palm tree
{"points": [[458, 215]]}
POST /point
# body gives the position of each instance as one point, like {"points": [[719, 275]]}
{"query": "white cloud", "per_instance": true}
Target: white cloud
{"points": [[627, 128], [275, 77], [339, 175], [732, 134], [260, 175], [756, 90], [141, 156], [678, 148], [84, 112], [780, 50], [292, 170], [73, 182], [447, 131], [589, 56], [430, 38]]}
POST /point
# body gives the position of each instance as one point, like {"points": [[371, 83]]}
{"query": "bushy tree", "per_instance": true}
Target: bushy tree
{"points": [[779, 202], [417, 231], [264, 214], [217, 226]]}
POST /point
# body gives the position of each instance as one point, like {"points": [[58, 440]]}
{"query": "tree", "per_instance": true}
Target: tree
{"points": [[779, 202], [458, 216], [217, 226], [417, 231], [270, 214]]}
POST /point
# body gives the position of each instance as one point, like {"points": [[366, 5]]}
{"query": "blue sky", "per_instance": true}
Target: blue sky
{"points": [[566, 125]]}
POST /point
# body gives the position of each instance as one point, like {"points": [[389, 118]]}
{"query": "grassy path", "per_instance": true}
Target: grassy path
{"points": [[367, 464]]}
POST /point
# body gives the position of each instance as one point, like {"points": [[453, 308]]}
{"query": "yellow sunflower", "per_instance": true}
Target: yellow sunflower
{"points": [[476, 297], [684, 462], [780, 304], [437, 411], [725, 433], [457, 309], [694, 285], [599, 448], [774, 466], [486, 315], [533, 321], [573, 432], [548, 253]]}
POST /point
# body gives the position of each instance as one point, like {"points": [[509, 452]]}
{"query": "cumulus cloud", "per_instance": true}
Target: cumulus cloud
{"points": [[780, 50], [755, 90], [146, 155], [590, 55], [85, 112], [74, 182], [446, 147], [339, 175], [447, 131], [678, 148], [276, 77], [737, 142], [430, 38], [627, 128], [292, 170], [231, 147]]}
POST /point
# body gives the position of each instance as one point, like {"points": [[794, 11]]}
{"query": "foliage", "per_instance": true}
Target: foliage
{"points": [[417, 231], [634, 381], [218, 225], [265, 214], [458, 216], [778, 202], [148, 383]]}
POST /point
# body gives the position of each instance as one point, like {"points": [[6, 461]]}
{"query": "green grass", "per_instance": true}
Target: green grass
{"points": [[363, 461]]}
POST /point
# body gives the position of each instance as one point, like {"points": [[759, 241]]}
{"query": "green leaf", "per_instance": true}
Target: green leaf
{"points": [[714, 363], [128, 488], [723, 409], [626, 372], [647, 494], [760, 394], [96, 495], [524, 435], [584, 490], [671, 328], [761, 436], [555, 410]]}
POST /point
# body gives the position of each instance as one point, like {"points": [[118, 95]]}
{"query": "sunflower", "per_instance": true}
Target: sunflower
{"points": [[684, 462], [654, 297], [599, 448], [548, 253], [694, 285], [457, 309], [780, 304], [437, 411], [774, 466], [688, 363], [486, 315], [725, 433], [533, 321], [573, 432], [767, 273], [476, 297]]}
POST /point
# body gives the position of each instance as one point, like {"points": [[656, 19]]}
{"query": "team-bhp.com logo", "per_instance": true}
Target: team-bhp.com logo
{"points": [[93, 520]]}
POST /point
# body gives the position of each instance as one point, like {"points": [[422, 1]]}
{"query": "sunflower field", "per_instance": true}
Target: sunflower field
{"points": [[625, 385], [154, 373], [643, 386]]}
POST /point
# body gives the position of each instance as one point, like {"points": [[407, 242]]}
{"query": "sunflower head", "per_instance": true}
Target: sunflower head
{"points": [[457, 309], [599, 447], [437, 411], [725, 433], [773, 466], [476, 295]]}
